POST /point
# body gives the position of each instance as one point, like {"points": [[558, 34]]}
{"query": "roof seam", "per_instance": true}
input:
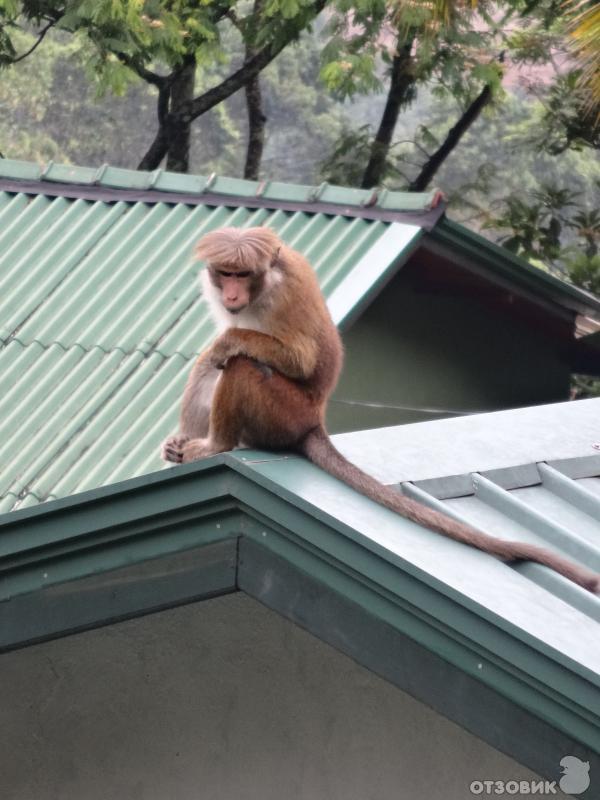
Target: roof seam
{"points": [[91, 348]]}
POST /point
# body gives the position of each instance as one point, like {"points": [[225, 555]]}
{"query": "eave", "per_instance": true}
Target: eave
{"points": [[116, 552], [481, 256]]}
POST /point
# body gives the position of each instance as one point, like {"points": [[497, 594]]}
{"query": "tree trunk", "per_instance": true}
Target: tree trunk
{"points": [[256, 129], [256, 117], [454, 136], [204, 102], [180, 119], [158, 148], [402, 79]]}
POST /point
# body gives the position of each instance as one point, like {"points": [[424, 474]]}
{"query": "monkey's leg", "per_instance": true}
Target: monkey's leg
{"points": [[198, 397], [256, 406], [195, 408]]}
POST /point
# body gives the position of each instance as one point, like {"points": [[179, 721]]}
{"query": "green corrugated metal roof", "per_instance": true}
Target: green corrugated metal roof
{"points": [[100, 317], [99, 309]]}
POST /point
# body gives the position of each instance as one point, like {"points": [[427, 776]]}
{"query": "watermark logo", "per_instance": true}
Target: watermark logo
{"points": [[576, 775], [575, 780]]}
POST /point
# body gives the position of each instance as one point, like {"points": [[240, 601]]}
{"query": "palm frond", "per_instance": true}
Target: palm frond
{"points": [[584, 30]]}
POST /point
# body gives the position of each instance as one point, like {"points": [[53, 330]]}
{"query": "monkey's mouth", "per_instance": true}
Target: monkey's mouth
{"points": [[235, 310]]}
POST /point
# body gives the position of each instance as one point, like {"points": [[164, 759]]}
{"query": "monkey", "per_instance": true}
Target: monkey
{"points": [[266, 379]]}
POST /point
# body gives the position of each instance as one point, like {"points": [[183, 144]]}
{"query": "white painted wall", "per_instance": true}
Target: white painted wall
{"points": [[221, 700]]}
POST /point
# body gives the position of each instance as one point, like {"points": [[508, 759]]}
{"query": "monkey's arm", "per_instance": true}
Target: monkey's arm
{"points": [[198, 396], [296, 360]]}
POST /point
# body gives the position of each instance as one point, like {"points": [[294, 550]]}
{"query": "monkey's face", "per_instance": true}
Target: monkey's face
{"points": [[237, 289]]}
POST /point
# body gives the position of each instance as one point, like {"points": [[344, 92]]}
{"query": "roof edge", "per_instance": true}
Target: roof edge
{"points": [[199, 504], [478, 250], [114, 183]]}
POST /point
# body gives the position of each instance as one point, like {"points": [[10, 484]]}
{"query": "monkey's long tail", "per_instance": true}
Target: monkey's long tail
{"points": [[318, 448]]}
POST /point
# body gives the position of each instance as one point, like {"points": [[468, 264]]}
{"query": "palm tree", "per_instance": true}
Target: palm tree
{"points": [[583, 24], [584, 27]]}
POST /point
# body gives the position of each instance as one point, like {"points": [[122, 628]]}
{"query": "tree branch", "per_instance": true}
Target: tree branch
{"points": [[40, 38], [200, 105], [246, 72], [454, 136], [147, 75], [401, 80], [254, 106]]}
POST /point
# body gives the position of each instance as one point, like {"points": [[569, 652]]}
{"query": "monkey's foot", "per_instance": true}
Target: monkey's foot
{"points": [[172, 449], [197, 448]]}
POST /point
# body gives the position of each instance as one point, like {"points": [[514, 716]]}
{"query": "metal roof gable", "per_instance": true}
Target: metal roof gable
{"points": [[482, 619]]}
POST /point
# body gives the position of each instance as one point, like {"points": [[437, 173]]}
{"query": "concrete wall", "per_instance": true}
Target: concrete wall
{"points": [[221, 700], [413, 352]]}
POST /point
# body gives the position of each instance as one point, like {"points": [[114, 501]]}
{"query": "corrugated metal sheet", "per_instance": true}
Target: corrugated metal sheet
{"points": [[530, 474], [558, 512], [100, 319]]}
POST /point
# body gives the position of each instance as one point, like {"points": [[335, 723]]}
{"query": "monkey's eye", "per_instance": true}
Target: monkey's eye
{"points": [[244, 274], [224, 274]]}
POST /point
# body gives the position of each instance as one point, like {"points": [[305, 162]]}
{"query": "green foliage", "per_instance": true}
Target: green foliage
{"points": [[536, 227], [121, 39], [346, 163], [584, 271], [565, 123], [354, 74], [51, 111]]}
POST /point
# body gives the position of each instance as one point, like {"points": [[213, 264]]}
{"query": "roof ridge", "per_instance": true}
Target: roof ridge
{"points": [[160, 180]]}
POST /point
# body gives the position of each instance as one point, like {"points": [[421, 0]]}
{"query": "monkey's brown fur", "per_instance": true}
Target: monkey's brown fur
{"points": [[266, 379]]}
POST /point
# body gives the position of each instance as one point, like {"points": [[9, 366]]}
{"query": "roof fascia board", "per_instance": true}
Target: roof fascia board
{"points": [[485, 258], [319, 529], [97, 530], [441, 624], [106, 597], [375, 269], [335, 617], [201, 504]]}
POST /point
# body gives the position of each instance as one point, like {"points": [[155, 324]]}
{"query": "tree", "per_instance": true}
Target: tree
{"points": [[50, 110], [415, 49], [162, 44], [584, 27]]}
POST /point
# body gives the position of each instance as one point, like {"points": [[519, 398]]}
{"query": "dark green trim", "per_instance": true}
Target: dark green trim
{"points": [[115, 595], [480, 252], [337, 619]]}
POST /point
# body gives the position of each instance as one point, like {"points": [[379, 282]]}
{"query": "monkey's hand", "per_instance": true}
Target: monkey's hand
{"points": [[296, 362], [172, 449], [224, 348]]}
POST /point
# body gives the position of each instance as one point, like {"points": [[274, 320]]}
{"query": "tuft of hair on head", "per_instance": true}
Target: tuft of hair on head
{"points": [[244, 248]]}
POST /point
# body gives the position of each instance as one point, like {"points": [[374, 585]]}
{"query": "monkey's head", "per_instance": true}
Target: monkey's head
{"points": [[238, 262]]}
